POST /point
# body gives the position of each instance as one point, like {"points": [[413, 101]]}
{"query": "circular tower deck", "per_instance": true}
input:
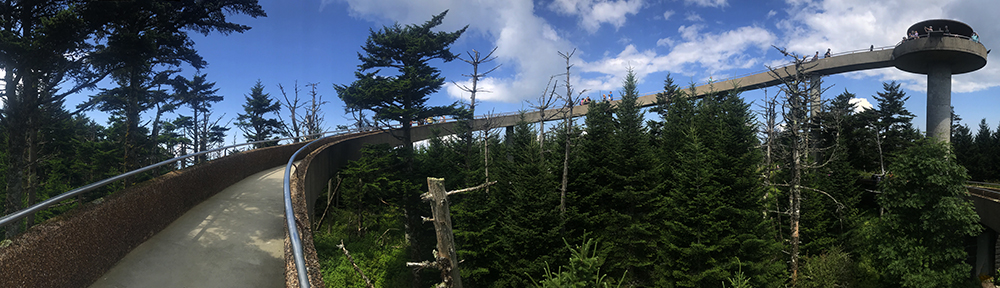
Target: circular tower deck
{"points": [[953, 48], [945, 50]]}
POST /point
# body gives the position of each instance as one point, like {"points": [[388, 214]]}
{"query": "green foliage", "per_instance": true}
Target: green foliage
{"points": [[893, 120], [380, 253], [507, 235], [402, 97], [710, 202], [919, 241], [583, 270], [981, 155], [833, 268], [253, 122]]}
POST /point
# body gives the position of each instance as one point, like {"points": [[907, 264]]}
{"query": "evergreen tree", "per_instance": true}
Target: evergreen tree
{"points": [[894, 121], [520, 231], [711, 202], [982, 145], [401, 98], [670, 90], [833, 203], [920, 238], [253, 123], [962, 143], [634, 248], [994, 156], [583, 270], [199, 94]]}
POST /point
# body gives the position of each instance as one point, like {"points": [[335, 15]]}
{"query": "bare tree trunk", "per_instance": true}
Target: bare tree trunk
{"points": [[803, 106], [293, 106], [32, 177], [569, 131], [795, 202], [368, 282]]}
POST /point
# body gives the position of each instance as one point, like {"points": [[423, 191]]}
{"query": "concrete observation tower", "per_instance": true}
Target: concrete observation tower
{"points": [[949, 48]]}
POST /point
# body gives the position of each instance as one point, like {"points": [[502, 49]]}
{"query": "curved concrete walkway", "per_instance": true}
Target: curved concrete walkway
{"points": [[233, 239]]}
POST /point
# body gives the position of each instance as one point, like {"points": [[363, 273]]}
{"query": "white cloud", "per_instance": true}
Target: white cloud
{"points": [[665, 42], [593, 13], [844, 25], [860, 104], [771, 14], [667, 14], [513, 27], [698, 50], [693, 17], [528, 43], [706, 3]]}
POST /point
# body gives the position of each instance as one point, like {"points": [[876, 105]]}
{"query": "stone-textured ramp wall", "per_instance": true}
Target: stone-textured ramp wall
{"points": [[311, 177], [75, 249]]}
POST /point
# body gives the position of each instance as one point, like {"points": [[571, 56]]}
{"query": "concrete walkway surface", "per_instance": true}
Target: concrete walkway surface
{"points": [[233, 239]]}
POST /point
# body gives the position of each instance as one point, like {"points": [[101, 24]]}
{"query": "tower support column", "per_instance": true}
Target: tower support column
{"points": [[939, 102]]}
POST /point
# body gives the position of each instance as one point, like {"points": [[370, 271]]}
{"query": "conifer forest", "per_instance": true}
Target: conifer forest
{"points": [[695, 191]]}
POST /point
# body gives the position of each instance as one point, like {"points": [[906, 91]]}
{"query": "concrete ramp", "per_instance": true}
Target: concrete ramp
{"points": [[233, 239]]}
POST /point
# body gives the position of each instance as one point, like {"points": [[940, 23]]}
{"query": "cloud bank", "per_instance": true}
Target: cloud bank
{"points": [[528, 42]]}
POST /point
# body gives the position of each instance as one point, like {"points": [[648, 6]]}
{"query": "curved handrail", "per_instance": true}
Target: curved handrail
{"points": [[293, 230], [20, 214]]}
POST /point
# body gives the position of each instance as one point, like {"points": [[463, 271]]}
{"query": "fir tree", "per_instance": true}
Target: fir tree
{"points": [[403, 97], [632, 181], [711, 213], [253, 123], [894, 121]]}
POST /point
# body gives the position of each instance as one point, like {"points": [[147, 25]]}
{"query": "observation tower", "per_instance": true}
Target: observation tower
{"points": [[942, 48]]}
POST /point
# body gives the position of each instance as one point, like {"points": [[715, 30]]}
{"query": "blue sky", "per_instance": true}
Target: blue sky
{"points": [[318, 41]]}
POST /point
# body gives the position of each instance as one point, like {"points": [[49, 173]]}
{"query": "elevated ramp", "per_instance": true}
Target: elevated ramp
{"points": [[233, 239]]}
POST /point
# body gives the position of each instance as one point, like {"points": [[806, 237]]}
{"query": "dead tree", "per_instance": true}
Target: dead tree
{"points": [[769, 136], [475, 59], [368, 282], [545, 101], [293, 106], [312, 121], [445, 258], [568, 118], [801, 91], [489, 123]]}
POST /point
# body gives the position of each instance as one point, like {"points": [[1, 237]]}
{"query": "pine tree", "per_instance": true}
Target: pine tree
{"points": [[920, 239], [827, 221], [634, 249], [983, 146], [253, 123], [403, 97], [199, 94], [894, 121], [711, 202], [522, 230]]}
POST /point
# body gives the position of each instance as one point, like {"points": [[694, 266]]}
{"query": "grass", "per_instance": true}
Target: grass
{"points": [[377, 244]]}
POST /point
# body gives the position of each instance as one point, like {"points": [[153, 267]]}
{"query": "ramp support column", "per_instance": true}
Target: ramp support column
{"points": [[985, 253], [939, 102]]}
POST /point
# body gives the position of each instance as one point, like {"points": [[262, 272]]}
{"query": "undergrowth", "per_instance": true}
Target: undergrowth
{"points": [[377, 244]]}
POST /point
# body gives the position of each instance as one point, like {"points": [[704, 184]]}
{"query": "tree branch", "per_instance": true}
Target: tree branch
{"points": [[368, 282]]}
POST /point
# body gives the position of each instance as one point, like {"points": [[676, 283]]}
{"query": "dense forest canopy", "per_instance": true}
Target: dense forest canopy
{"points": [[693, 192], [55, 48], [708, 192]]}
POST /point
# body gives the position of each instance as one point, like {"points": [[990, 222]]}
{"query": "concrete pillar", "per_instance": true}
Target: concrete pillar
{"points": [[815, 99], [985, 253], [939, 102], [509, 131]]}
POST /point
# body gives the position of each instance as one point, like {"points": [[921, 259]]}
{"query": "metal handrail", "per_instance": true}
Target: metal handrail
{"points": [[293, 230], [8, 219]]}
